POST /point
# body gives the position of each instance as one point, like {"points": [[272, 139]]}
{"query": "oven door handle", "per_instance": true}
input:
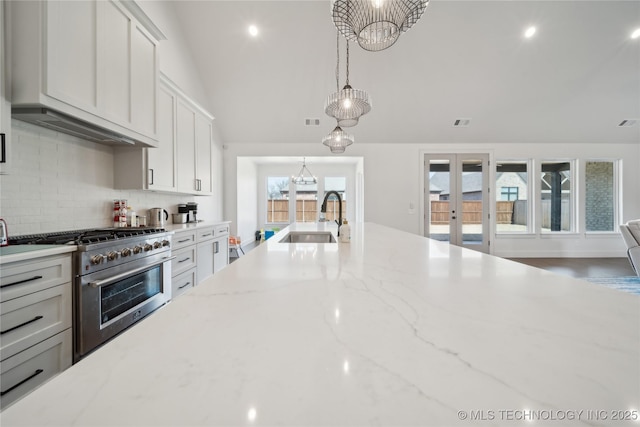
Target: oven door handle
{"points": [[126, 274]]}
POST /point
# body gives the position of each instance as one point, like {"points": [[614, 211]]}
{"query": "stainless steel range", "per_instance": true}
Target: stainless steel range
{"points": [[121, 275]]}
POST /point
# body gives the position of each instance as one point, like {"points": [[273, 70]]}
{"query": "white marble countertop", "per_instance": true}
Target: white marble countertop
{"points": [[193, 225], [390, 329], [26, 252]]}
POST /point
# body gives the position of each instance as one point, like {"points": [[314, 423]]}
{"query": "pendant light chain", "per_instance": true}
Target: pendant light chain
{"points": [[347, 82]]}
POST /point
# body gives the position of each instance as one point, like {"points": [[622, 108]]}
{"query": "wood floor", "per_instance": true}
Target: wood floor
{"points": [[582, 267]]}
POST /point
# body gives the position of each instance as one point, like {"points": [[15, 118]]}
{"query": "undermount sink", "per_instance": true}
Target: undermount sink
{"points": [[309, 237]]}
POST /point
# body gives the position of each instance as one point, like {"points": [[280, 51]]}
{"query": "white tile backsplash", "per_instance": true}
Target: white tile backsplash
{"points": [[58, 182]]}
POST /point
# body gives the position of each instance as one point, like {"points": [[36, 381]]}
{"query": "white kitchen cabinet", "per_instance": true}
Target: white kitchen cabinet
{"points": [[152, 168], [5, 105], [93, 60], [206, 251], [36, 319], [221, 249], [194, 139], [183, 266]]}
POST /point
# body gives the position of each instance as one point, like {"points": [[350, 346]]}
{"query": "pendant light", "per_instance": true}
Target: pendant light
{"points": [[338, 140], [349, 104], [376, 24], [301, 179]]}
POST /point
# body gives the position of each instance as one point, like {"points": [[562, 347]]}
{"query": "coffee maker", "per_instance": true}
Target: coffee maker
{"points": [[192, 212]]}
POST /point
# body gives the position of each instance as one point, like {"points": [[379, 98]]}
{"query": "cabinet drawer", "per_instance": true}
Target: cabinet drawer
{"points": [[205, 234], [180, 240], [222, 230], [28, 369], [26, 277], [183, 282], [183, 261], [32, 318]]}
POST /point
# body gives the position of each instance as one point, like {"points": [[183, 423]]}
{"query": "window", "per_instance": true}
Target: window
{"points": [[277, 199], [512, 207], [600, 200], [338, 184], [556, 194], [306, 202], [509, 193]]}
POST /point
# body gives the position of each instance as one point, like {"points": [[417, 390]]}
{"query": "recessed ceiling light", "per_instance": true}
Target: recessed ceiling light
{"points": [[636, 34], [253, 30], [530, 32]]}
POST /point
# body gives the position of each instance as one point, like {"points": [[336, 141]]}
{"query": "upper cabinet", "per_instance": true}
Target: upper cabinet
{"points": [[5, 106], [194, 139], [94, 60], [183, 160]]}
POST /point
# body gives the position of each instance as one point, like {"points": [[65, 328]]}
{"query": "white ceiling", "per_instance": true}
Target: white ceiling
{"points": [[573, 82]]}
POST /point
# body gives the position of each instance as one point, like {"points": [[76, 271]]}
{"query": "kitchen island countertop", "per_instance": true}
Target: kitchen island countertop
{"points": [[390, 329]]}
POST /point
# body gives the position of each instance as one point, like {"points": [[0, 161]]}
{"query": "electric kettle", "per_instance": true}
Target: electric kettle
{"points": [[157, 217], [4, 234]]}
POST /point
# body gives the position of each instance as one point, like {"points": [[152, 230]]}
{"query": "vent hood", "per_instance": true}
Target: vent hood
{"points": [[60, 122]]}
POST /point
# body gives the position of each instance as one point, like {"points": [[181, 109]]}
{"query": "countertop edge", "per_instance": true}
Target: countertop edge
{"points": [[37, 253]]}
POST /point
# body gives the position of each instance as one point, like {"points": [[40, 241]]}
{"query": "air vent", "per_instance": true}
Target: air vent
{"points": [[628, 123], [312, 122], [461, 123]]}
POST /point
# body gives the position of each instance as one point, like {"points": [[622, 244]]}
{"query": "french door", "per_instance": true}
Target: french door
{"points": [[457, 199]]}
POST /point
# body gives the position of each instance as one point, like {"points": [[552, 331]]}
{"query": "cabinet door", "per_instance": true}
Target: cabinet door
{"points": [[162, 160], [205, 254], [221, 253], [203, 137], [185, 147], [5, 106], [114, 62], [71, 52], [144, 83]]}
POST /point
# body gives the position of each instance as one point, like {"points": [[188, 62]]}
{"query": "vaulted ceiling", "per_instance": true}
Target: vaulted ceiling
{"points": [[573, 82]]}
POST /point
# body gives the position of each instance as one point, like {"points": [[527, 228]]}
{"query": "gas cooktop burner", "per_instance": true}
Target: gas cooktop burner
{"points": [[82, 237]]}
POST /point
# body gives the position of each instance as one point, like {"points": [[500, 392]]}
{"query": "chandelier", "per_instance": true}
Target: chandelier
{"points": [[304, 180], [376, 24], [338, 140], [349, 104]]}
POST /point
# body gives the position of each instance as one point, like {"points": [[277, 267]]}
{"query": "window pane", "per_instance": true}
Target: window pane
{"points": [[555, 190], [277, 199], [338, 184], [512, 209], [306, 202], [599, 196]]}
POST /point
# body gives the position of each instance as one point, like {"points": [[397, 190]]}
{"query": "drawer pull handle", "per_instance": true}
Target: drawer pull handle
{"points": [[183, 240], [21, 325], [183, 260], [35, 374], [185, 285], [205, 235], [21, 281]]}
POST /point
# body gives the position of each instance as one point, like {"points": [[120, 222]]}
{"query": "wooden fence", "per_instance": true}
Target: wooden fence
{"points": [[471, 212], [306, 210]]}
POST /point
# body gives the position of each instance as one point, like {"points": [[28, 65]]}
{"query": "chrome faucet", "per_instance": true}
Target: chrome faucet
{"points": [[323, 209]]}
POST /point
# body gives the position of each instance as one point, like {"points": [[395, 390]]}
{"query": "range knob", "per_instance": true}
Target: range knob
{"points": [[157, 245], [147, 247], [137, 249], [112, 256], [165, 243], [97, 259], [125, 252]]}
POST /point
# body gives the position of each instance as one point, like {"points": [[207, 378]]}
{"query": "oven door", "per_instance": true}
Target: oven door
{"points": [[111, 300]]}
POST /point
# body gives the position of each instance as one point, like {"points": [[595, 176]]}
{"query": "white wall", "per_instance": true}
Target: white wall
{"points": [[393, 181], [247, 204]]}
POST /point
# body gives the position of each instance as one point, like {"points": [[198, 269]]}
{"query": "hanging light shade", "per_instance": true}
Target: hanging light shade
{"points": [[301, 179], [376, 24], [349, 104], [338, 140]]}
